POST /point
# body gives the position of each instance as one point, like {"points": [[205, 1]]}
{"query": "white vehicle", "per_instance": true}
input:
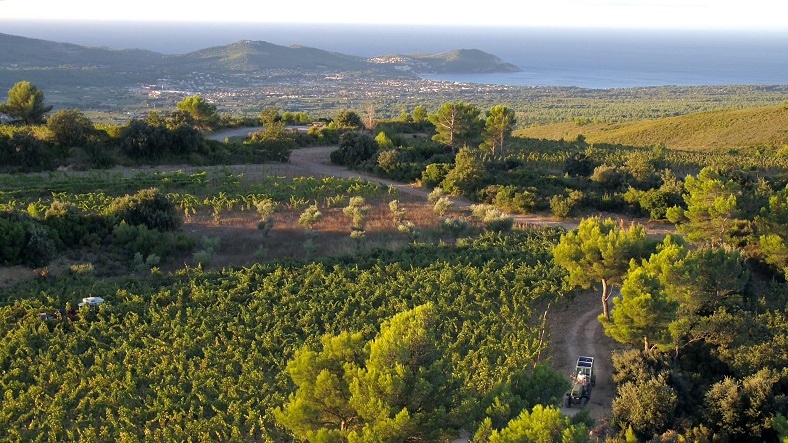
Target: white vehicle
{"points": [[91, 301]]}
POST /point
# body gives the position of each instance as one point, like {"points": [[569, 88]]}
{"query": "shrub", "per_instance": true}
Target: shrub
{"points": [[468, 175], [608, 177], [13, 238], [354, 148], [141, 141], [72, 228], [40, 247], [434, 174], [70, 128], [743, 409], [442, 206], [580, 165], [28, 152], [512, 199], [562, 206], [210, 246], [648, 406], [492, 218], [140, 239], [456, 226], [148, 207], [388, 160]]}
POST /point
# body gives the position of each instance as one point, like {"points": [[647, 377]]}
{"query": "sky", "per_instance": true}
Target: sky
{"points": [[768, 15]]}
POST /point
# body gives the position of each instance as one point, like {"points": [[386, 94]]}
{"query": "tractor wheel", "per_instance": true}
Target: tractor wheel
{"points": [[583, 402], [567, 401]]}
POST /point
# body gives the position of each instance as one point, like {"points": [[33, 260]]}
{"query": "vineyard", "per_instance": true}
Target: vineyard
{"points": [[199, 356], [254, 303], [217, 191]]}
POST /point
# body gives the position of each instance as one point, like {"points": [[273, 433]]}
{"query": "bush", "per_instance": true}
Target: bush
{"points": [[467, 176], [29, 153], [40, 247], [139, 239], [636, 366], [456, 227], [562, 206], [70, 128], [608, 177], [580, 165], [434, 174], [72, 228], [648, 406], [512, 199], [148, 207], [141, 141], [492, 218], [13, 238], [354, 148], [743, 409]]}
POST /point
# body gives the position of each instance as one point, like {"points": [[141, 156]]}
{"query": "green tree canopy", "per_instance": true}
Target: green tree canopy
{"points": [[204, 113], [468, 174], [420, 114], [599, 251], [772, 226], [347, 119], [542, 424], [320, 409], [70, 128], [25, 102], [399, 391], [456, 124], [497, 129], [712, 212], [643, 313], [743, 409], [647, 405], [355, 147]]}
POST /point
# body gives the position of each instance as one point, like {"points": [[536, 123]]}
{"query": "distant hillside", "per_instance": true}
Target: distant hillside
{"points": [[457, 61], [26, 52], [705, 131], [20, 53], [247, 55]]}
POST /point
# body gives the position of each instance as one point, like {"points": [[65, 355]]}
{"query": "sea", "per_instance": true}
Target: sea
{"points": [[582, 57]]}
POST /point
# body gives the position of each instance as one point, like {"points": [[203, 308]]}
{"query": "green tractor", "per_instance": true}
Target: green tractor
{"points": [[583, 379]]}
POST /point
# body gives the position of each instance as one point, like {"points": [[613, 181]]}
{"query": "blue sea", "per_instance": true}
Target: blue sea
{"points": [[586, 58]]}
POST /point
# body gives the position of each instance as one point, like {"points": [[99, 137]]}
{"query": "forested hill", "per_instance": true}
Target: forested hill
{"points": [[27, 53], [722, 131], [246, 55], [457, 61]]}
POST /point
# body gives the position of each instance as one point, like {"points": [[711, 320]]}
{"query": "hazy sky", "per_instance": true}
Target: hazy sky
{"points": [[699, 14]]}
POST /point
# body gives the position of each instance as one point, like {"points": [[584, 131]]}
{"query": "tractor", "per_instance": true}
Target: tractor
{"points": [[582, 380]]}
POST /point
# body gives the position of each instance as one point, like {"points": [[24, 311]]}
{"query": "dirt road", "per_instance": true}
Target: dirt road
{"points": [[575, 331]]}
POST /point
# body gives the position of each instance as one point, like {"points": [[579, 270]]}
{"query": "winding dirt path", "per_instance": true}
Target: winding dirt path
{"points": [[584, 336]]}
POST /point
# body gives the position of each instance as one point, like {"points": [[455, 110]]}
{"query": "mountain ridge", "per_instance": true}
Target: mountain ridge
{"points": [[241, 56]]}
